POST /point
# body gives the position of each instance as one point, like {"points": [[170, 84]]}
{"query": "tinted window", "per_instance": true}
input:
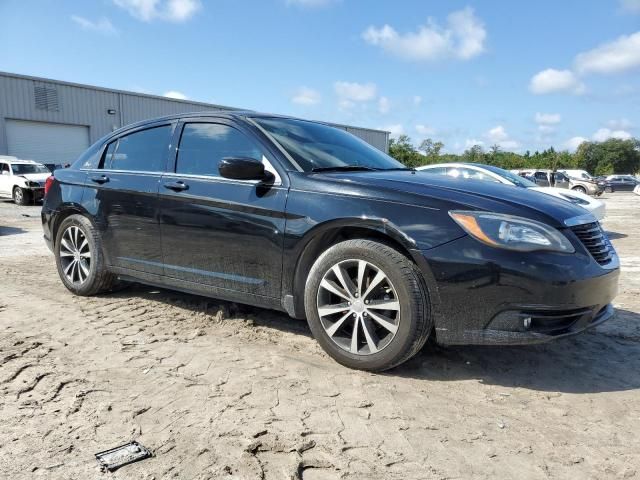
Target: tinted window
{"points": [[145, 150], [26, 168], [4, 167], [203, 145]]}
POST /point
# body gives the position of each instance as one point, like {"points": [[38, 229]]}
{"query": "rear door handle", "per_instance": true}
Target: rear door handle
{"points": [[99, 179], [176, 186]]}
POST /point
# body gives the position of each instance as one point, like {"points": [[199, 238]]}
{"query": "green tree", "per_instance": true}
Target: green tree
{"points": [[431, 148]]}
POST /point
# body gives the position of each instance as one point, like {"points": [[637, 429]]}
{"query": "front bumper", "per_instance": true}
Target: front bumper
{"points": [[484, 295]]}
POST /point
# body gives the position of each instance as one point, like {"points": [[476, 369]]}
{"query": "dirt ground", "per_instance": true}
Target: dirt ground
{"points": [[217, 390]]}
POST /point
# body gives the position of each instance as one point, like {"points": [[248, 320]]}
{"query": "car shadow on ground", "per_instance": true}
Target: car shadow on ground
{"points": [[10, 230], [605, 359], [615, 235], [591, 362]]}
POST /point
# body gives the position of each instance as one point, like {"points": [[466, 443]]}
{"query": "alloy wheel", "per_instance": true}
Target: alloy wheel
{"points": [[75, 255], [358, 307], [18, 195]]}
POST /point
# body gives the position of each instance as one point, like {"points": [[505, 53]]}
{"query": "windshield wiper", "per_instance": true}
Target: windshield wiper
{"points": [[345, 168]]}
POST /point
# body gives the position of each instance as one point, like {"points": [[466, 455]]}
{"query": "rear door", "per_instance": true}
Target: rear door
{"points": [[123, 191], [541, 179], [223, 233]]}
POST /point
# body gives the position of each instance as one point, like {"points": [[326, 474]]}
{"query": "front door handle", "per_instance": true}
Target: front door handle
{"points": [[99, 179], [176, 186]]}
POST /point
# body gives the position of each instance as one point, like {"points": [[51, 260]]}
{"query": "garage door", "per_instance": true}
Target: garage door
{"points": [[46, 142]]}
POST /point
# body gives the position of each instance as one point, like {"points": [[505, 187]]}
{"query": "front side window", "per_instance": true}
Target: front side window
{"points": [[144, 150], [315, 147], [204, 145]]}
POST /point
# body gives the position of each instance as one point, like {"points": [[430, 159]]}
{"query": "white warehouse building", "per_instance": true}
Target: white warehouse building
{"points": [[52, 121]]}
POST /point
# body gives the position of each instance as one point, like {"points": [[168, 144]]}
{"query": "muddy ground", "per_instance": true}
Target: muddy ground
{"points": [[217, 390]]}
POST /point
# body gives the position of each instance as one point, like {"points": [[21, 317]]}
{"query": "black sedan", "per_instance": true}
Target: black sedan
{"points": [[622, 183], [305, 218]]}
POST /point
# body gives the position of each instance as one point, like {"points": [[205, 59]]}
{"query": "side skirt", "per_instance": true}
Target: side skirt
{"points": [[185, 286]]}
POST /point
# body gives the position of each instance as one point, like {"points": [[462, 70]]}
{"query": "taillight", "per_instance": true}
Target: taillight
{"points": [[48, 183]]}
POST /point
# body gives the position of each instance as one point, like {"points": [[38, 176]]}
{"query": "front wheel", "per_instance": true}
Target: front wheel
{"points": [[20, 197], [79, 258], [367, 305], [579, 189]]}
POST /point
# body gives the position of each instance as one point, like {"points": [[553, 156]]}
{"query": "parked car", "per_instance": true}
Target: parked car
{"points": [[306, 218], [602, 182], [549, 178], [478, 171], [23, 180], [623, 183]]}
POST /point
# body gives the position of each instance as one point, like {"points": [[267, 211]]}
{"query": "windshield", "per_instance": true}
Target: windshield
{"points": [[512, 177], [315, 147], [26, 168]]}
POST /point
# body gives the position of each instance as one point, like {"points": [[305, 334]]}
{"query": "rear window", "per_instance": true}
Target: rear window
{"points": [[144, 150]]}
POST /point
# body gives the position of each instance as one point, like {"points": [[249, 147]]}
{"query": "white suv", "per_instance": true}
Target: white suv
{"points": [[23, 180]]}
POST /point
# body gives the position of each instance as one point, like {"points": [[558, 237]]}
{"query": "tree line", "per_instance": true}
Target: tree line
{"points": [[598, 158]]}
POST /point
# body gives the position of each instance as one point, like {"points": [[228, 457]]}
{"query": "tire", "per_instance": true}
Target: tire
{"points": [[78, 241], [608, 189], [20, 196], [580, 189], [385, 338]]}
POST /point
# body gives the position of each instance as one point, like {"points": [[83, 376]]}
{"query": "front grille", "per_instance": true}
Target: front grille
{"points": [[595, 240]]}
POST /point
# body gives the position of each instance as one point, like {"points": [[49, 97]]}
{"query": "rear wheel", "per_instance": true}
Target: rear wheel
{"points": [[366, 305], [580, 189], [20, 196], [79, 258]]}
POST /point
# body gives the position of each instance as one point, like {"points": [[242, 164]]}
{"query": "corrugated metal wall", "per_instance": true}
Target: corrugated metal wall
{"points": [[89, 106]]}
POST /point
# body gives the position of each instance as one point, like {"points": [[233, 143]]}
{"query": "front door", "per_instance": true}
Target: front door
{"points": [[5, 178], [123, 192], [560, 180], [224, 233]]}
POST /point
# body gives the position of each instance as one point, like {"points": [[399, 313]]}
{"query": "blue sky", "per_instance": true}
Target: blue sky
{"points": [[524, 75]]}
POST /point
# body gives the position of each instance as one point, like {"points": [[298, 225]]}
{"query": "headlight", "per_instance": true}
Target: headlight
{"points": [[511, 232]]}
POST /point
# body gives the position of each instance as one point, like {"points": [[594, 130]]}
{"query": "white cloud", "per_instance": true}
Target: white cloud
{"points": [[498, 135], [417, 99], [462, 38], [632, 6], [175, 94], [547, 118], [552, 80], [603, 134], [102, 25], [169, 10], [384, 105], [617, 56], [306, 96], [425, 130], [355, 92], [574, 142], [396, 129]]}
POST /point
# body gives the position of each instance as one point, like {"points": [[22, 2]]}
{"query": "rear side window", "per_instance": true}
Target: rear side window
{"points": [[145, 150], [203, 145]]}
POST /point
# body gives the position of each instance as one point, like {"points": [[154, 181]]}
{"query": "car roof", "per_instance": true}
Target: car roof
{"points": [[229, 114], [28, 162]]}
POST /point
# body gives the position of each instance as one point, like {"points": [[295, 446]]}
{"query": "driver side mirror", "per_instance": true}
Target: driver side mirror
{"points": [[243, 168]]}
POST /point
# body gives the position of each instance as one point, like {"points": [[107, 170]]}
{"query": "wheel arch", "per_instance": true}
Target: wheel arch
{"points": [[64, 212], [325, 235]]}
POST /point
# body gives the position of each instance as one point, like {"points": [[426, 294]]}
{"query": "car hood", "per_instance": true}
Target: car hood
{"points": [[560, 192], [36, 177], [442, 192]]}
